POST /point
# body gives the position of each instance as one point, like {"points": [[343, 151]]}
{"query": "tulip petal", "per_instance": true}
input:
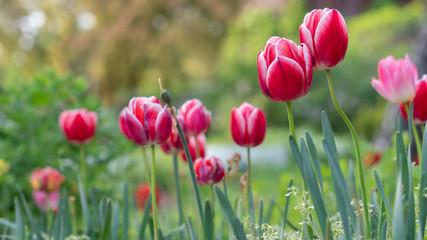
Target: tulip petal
{"points": [[285, 79], [163, 126], [136, 129], [256, 127], [262, 75], [151, 111], [384, 92], [306, 38], [238, 126], [196, 120], [330, 40]]}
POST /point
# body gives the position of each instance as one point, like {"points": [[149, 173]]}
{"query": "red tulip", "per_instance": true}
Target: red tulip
{"points": [[326, 35], [197, 118], [248, 125], [420, 102], [123, 125], [284, 70], [201, 140], [141, 195], [209, 170], [173, 145], [397, 79], [147, 122], [78, 125], [370, 159]]}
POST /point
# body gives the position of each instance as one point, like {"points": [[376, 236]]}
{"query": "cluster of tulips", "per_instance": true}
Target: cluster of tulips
{"points": [[46, 184], [285, 72]]}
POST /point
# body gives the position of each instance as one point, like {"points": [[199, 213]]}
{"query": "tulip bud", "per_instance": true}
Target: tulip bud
{"points": [[201, 141], [209, 171], [166, 97], [285, 70], [78, 125], [148, 123], [420, 103], [397, 79], [325, 34], [197, 118], [248, 125]]}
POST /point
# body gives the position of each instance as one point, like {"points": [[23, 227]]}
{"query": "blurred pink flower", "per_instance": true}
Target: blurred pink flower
{"points": [[209, 170], [78, 125]]}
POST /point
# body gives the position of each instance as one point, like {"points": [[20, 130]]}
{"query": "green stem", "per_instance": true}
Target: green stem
{"points": [[248, 183], [291, 119], [357, 153], [212, 199], [178, 192], [192, 173], [416, 135], [153, 192], [146, 165], [83, 164]]}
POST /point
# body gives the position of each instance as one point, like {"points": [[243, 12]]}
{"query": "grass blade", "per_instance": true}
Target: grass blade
{"points": [[209, 224], [8, 224], [381, 191], [20, 228], [145, 217], [115, 223], [399, 220], [106, 225], [85, 207], [285, 212], [192, 234], [33, 223], [314, 159], [329, 134], [125, 211], [260, 220]]}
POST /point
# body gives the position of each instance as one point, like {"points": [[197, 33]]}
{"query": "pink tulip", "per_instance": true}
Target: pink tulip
{"points": [[197, 118], [201, 140], [123, 125], [147, 122], [284, 70], [325, 34], [420, 103], [397, 79], [209, 171], [78, 125], [173, 145], [248, 125], [46, 201]]}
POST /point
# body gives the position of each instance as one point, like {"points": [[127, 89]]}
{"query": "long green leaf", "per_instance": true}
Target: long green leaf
{"points": [[399, 220], [192, 234], [329, 134], [126, 211], [260, 220], [340, 191], [106, 225], [382, 220], [423, 187], [285, 212], [85, 207], [297, 155], [20, 228], [68, 227], [313, 187], [381, 191], [8, 223], [115, 223], [59, 229], [209, 224], [33, 223], [229, 213], [145, 217], [314, 159]]}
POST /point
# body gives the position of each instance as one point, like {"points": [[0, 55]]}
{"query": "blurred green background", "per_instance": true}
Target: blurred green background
{"points": [[61, 54]]}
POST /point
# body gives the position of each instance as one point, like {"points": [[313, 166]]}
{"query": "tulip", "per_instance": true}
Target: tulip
{"points": [[123, 125], [397, 79], [420, 103], [209, 171], [325, 34], [46, 201], [284, 70], [201, 141], [78, 125], [248, 125], [197, 118], [47, 179], [173, 145], [148, 123], [370, 159], [141, 195]]}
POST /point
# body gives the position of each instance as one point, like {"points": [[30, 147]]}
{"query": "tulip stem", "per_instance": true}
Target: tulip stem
{"points": [[146, 165], [153, 192], [357, 153], [248, 182], [83, 164], [212, 199], [291, 119], [415, 131], [178, 192]]}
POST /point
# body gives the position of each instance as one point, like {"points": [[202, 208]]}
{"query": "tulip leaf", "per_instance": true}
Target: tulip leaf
{"points": [[8, 224], [229, 213], [125, 211], [115, 223], [193, 235], [19, 221], [382, 221], [68, 227], [107, 220], [33, 223], [209, 224], [145, 217], [381, 191], [314, 159], [399, 220], [85, 207], [285, 212], [260, 220], [329, 134], [423, 186]]}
